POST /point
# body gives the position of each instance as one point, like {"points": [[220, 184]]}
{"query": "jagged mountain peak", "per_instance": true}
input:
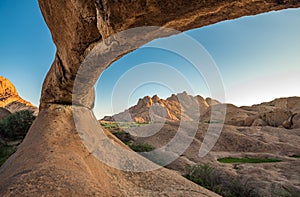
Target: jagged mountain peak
{"points": [[7, 89], [181, 106], [10, 99]]}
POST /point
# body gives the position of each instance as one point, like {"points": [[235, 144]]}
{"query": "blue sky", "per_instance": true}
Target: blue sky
{"points": [[257, 57], [26, 48]]}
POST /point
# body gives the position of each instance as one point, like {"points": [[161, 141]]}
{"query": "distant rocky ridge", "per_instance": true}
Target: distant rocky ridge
{"points": [[283, 112], [177, 107], [10, 99]]}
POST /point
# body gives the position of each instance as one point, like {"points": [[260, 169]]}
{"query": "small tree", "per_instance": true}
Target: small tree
{"points": [[16, 125]]}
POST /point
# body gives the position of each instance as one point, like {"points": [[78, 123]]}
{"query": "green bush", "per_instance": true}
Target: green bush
{"points": [[203, 175], [108, 125], [5, 152], [123, 136], [213, 122], [121, 125], [127, 139], [247, 160], [219, 182], [138, 147], [16, 125], [295, 156], [117, 130]]}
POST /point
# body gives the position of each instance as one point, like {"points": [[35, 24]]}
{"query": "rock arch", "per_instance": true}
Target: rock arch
{"points": [[52, 159], [76, 26]]}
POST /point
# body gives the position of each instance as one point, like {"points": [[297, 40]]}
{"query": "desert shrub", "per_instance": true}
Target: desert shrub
{"points": [[16, 125], [247, 160], [6, 152], [204, 175], [290, 192], [127, 139], [139, 147], [123, 136], [213, 121], [295, 156], [108, 125], [121, 125], [238, 187], [117, 130], [219, 182], [284, 190]]}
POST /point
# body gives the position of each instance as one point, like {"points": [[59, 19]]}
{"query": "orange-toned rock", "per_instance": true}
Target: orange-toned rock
{"points": [[10, 99], [177, 107], [52, 161], [7, 89]]}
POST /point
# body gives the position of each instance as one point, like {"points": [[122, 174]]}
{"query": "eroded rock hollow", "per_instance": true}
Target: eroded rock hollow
{"points": [[52, 160]]}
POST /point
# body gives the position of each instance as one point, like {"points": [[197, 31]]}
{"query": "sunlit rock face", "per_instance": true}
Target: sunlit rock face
{"points": [[52, 160], [10, 99], [154, 109], [7, 89], [77, 25]]}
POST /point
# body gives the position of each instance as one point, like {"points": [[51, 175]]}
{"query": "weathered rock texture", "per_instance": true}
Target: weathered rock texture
{"points": [[10, 99], [154, 109], [77, 25], [52, 160], [267, 130], [55, 162], [9, 94], [283, 112], [267, 179], [279, 112]]}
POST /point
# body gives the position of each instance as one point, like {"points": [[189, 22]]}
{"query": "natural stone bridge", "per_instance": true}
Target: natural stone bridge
{"points": [[52, 160]]}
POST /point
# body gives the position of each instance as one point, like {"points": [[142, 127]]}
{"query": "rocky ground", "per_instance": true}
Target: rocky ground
{"points": [[266, 131], [269, 179], [52, 160], [68, 167]]}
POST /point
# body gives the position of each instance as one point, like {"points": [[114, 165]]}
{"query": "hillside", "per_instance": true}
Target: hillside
{"points": [[10, 99], [266, 131], [283, 112], [177, 107]]}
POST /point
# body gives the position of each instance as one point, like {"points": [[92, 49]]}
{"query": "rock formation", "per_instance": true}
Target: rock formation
{"points": [[152, 109], [265, 114], [9, 94], [279, 112], [10, 99], [83, 24], [64, 166], [52, 160], [268, 179]]}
